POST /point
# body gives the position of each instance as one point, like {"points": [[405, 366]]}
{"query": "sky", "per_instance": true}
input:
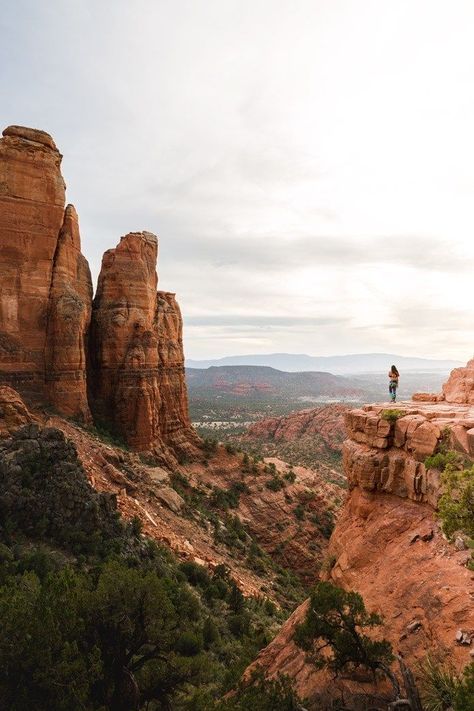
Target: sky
{"points": [[308, 165]]}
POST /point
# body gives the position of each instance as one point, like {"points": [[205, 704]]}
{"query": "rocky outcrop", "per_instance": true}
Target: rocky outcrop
{"points": [[137, 384], [13, 412], [45, 286], [387, 449], [32, 196], [132, 366], [388, 545], [460, 385], [325, 422]]}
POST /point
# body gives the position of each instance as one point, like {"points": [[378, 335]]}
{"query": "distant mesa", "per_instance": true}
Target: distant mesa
{"points": [[117, 359], [339, 365]]}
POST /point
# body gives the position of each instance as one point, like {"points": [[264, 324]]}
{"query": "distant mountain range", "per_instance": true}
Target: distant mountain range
{"points": [[338, 365]]}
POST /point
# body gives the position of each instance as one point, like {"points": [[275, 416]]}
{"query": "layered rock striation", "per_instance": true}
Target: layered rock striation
{"points": [[129, 363], [388, 544], [137, 383], [46, 285]]}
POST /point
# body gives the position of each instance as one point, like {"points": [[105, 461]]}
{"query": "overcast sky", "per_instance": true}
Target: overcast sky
{"points": [[308, 165]]}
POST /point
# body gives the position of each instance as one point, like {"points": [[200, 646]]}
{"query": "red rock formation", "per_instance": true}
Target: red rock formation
{"points": [[137, 378], [460, 385], [388, 546], [137, 375], [327, 422], [69, 312], [45, 289], [31, 214]]}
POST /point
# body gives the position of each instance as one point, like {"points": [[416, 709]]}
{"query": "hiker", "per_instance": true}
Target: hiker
{"points": [[393, 376]]}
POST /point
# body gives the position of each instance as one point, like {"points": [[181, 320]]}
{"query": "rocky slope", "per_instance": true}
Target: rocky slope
{"points": [[127, 367], [215, 510], [311, 438], [388, 545]]}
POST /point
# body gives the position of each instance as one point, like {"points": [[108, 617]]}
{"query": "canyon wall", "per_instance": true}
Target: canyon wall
{"points": [[127, 365], [388, 544]]}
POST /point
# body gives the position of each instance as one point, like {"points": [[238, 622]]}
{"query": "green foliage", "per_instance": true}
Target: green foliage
{"points": [[299, 512], [440, 460], [392, 415], [229, 448], [290, 476], [335, 622], [456, 505], [262, 694], [96, 617], [209, 446], [438, 685], [275, 483], [442, 688], [464, 699]]}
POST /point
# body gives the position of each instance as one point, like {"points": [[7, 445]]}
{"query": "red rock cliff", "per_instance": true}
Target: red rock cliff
{"points": [[45, 286], [137, 383], [388, 545]]}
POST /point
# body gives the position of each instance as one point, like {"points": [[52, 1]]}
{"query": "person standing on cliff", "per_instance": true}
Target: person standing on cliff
{"points": [[393, 376]]}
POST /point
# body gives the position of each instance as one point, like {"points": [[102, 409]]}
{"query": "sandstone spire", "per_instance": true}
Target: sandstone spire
{"points": [[45, 281], [137, 384]]}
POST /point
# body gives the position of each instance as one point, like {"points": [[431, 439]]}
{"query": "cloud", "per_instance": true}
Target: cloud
{"points": [[310, 188]]}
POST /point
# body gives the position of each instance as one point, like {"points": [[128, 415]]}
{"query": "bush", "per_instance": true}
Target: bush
{"points": [[275, 484], [464, 699], [262, 694], [299, 512], [392, 415], [438, 686], [440, 460], [442, 688], [456, 505]]}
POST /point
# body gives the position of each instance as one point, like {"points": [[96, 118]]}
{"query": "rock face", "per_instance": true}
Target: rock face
{"points": [[45, 282], [137, 383], [325, 422], [69, 314], [388, 455], [460, 385], [132, 365], [388, 546]]}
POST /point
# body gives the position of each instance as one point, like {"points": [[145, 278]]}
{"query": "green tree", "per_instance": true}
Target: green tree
{"points": [[464, 699], [456, 506], [334, 624]]}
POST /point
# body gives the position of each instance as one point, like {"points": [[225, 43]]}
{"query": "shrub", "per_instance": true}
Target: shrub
{"points": [[290, 476], [299, 512], [262, 694], [275, 484], [456, 506], [440, 460], [438, 686], [392, 415], [464, 699]]}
